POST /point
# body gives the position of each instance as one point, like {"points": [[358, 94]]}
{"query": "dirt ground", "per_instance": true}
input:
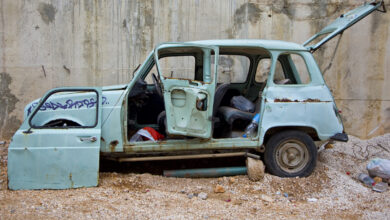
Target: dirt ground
{"points": [[129, 192]]}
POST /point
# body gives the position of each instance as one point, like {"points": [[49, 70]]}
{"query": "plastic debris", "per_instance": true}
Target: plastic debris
{"points": [[379, 167], [285, 195], [312, 200], [145, 134], [251, 129], [2, 142], [366, 179], [380, 187]]}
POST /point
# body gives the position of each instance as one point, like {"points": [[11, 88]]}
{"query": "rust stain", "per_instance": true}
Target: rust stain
{"points": [[285, 100], [312, 100], [113, 145], [306, 100], [71, 180]]}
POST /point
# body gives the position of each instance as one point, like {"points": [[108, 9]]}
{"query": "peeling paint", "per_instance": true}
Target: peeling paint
{"points": [[285, 100]]}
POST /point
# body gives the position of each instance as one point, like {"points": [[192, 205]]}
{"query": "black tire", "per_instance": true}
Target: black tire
{"points": [[290, 154]]}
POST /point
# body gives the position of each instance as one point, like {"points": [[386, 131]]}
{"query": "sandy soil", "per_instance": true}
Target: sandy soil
{"points": [[126, 193]]}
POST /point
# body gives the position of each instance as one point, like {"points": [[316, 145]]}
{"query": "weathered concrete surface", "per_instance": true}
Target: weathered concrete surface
{"points": [[46, 44]]}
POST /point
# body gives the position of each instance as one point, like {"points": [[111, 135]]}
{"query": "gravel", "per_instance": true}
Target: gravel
{"points": [[332, 191]]}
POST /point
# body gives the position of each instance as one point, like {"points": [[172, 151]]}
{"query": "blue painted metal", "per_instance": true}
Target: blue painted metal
{"points": [[342, 23], [56, 158], [206, 172]]}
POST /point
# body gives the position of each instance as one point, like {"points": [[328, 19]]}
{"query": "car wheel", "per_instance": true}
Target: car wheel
{"points": [[290, 154]]}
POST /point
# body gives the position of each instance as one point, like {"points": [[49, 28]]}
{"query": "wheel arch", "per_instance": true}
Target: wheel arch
{"points": [[312, 132]]}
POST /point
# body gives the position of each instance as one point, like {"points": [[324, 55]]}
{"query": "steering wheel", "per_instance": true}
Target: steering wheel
{"points": [[157, 85]]}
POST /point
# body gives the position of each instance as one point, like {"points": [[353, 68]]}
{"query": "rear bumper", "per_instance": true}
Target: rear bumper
{"points": [[343, 137]]}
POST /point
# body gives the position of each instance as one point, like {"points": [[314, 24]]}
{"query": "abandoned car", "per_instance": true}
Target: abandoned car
{"points": [[187, 100]]}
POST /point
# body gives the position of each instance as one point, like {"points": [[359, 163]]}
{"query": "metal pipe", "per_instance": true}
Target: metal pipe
{"points": [[181, 157], [206, 172]]}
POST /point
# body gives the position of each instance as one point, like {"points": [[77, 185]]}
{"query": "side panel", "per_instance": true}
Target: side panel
{"points": [[56, 158], [301, 105]]}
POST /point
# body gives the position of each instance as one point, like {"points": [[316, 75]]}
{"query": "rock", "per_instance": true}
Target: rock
{"points": [[255, 168], [190, 195], [202, 195], [232, 180], [377, 179], [266, 198], [219, 189], [257, 188]]}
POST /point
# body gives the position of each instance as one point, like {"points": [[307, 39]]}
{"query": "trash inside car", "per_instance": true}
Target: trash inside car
{"points": [[201, 99]]}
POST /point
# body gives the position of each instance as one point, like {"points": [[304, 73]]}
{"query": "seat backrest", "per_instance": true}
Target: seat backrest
{"points": [[219, 94]]}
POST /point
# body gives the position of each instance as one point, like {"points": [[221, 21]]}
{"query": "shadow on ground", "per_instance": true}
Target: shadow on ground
{"points": [[157, 167]]}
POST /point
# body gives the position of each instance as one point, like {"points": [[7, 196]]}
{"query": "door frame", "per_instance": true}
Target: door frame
{"points": [[56, 157]]}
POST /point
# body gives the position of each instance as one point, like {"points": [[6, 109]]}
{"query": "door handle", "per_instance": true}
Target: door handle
{"points": [[90, 139]]}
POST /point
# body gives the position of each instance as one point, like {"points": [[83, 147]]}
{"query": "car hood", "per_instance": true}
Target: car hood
{"points": [[114, 87]]}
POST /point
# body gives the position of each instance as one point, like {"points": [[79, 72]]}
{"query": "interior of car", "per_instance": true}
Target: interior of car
{"points": [[242, 75]]}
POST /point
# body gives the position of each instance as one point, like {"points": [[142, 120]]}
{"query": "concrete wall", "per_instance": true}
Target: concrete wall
{"points": [[46, 44]]}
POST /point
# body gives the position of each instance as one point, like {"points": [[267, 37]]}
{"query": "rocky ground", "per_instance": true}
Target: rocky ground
{"points": [[126, 191]]}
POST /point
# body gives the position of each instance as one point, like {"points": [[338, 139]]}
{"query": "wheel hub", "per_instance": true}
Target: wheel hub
{"points": [[292, 156]]}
